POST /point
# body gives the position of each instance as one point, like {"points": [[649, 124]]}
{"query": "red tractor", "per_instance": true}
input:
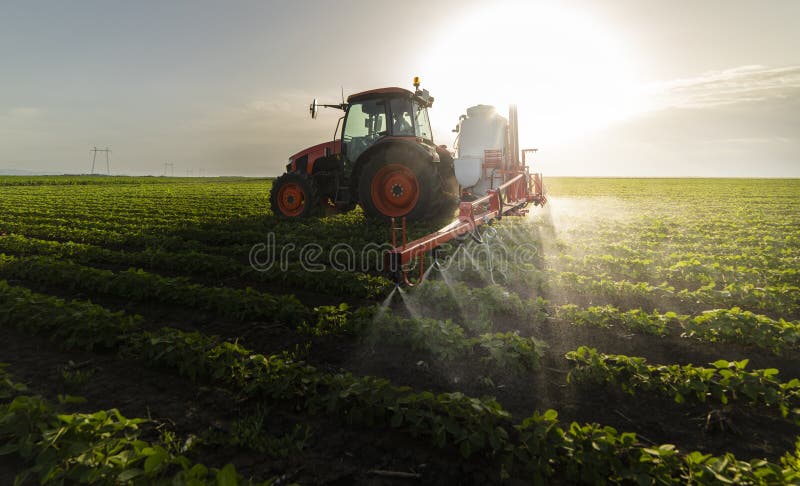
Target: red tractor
{"points": [[385, 160]]}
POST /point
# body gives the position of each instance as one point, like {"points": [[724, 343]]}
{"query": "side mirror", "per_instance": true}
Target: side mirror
{"points": [[313, 108]]}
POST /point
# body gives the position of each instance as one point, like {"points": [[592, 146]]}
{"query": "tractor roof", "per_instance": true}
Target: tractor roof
{"points": [[377, 93]]}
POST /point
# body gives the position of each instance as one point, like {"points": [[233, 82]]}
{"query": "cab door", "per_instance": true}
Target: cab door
{"points": [[364, 124]]}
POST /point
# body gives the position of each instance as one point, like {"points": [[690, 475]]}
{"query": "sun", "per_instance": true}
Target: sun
{"points": [[568, 73]]}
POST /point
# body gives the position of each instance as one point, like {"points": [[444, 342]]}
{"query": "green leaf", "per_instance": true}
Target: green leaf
{"points": [[129, 474], [227, 476], [70, 400], [152, 463], [198, 471], [550, 415]]}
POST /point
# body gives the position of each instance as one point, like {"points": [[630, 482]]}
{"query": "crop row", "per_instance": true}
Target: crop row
{"points": [[660, 221], [725, 382], [442, 339], [480, 309], [639, 258], [103, 447], [724, 253], [607, 316], [766, 236], [207, 217], [88, 221], [688, 272], [780, 300], [506, 352], [211, 202], [744, 327], [719, 325], [476, 309], [356, 285], [201, 358], [706, 189], [484, 308], [164, 201], [665, 231], [81, 180], [140, 286], [99, 214], [231, 238], [760, 235], [537, 449], [127, 238], [667, 255]]}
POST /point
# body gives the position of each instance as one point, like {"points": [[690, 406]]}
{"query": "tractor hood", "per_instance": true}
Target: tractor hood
{"points": [[304, 160], [333, 148]]}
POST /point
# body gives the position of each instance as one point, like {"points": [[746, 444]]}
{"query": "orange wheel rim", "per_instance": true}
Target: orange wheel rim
{"points": [[394, 190], [291, 199]]}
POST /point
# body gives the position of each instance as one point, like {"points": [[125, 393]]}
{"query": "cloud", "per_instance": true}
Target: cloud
{"points": [[750, 83]]}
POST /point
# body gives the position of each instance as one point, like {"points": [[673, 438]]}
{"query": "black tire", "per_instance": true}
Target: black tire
{"points": [[451, 190], [427, 184], [294, 184]]}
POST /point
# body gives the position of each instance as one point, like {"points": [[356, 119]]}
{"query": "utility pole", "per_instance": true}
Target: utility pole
{"points": [[94, 159], [171, 166]]}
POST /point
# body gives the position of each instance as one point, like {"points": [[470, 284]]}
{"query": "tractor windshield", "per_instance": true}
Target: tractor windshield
{"points": [[365, 123]]}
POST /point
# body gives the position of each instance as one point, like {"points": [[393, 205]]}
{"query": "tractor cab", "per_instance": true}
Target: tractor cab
{"points": [[388, 112]]}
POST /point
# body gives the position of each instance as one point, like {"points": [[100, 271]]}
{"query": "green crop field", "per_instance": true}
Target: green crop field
{"points": [[174, 331]]}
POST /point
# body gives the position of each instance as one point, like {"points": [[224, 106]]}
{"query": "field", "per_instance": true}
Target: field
{"points": [[634, 331]]}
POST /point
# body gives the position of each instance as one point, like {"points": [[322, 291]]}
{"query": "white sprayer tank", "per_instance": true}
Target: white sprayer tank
{"points": [[482, 129]]}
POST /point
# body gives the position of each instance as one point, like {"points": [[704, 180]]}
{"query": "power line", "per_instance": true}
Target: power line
{"points": [[171, 166]]}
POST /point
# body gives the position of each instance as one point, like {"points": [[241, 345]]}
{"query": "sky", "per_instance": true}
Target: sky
{"points": [[604, 88]]}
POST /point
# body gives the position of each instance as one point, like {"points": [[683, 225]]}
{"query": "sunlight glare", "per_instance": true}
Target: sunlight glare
{"points": [[568, 74]]}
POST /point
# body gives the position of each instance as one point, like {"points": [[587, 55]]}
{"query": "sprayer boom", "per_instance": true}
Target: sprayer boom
{"points": [[511, 198]]}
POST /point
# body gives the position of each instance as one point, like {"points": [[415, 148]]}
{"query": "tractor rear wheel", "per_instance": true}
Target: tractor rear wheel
{"points": [[399, 182], [450, 188], [294, 195]]}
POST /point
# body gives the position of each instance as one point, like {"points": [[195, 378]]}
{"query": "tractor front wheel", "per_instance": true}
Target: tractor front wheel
{"points": [[294, 196], [399, 182]]}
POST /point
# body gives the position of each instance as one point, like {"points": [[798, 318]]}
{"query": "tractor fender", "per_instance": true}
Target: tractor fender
{"points": [[426, 151]]}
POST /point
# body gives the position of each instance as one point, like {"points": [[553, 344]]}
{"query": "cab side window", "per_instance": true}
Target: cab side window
{"points": [[402, 124], [366, 122]]}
